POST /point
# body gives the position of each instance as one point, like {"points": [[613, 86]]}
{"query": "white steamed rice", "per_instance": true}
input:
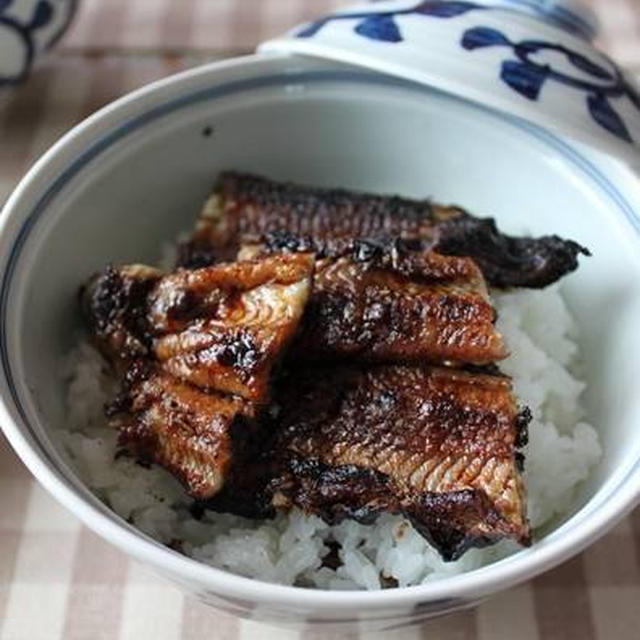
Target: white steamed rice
{"points": [[541, 335]]}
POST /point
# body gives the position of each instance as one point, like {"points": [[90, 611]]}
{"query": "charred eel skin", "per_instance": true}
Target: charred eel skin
{"points": [[222, 327], [440, 446], [386, 302], [245, 207]]}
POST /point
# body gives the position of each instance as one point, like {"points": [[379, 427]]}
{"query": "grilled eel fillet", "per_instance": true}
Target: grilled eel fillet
{"points": [[225, 328], [440, 446], [388, 303], [245, 207], [221, 327], [193, 434]]}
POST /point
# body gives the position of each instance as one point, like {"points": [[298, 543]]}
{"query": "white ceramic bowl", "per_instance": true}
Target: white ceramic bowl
{"points": [[133, 175]]}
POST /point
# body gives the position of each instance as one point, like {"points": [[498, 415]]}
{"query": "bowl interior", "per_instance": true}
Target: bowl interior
{"points": [[142, 182]]}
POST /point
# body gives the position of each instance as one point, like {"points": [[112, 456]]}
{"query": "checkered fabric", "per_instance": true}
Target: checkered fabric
{"points": [[58, 580]]}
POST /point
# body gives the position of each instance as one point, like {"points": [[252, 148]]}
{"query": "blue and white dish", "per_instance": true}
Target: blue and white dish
{"points": [[528, 58], [27, 29], [110, 191]]}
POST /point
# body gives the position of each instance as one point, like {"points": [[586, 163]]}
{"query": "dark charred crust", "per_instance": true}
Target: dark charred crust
{"points": [[400, 414], [508, 261], [138, 370], [241, 352], [400, 307], [491, 369], [247, 492], [454, 522], [504, 261], [328, 205], [283, 240], [269, 193], [184, 306], [114, 306], [409, 257], [369, 227], [389, 252], [334, 493], [244, 499], [523, 419], [103, 299], [220, 328], [195, 254]]}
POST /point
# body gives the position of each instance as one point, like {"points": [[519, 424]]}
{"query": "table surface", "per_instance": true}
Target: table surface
{"points": [[57, 579]]}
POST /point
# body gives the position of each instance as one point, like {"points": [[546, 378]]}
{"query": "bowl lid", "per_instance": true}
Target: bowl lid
{"points": [[529, 58]]}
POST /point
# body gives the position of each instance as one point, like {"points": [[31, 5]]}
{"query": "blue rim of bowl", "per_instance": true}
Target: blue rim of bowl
{"points": [[107, 140]]}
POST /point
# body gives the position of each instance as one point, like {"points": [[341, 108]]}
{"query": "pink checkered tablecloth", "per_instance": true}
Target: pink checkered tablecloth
{"points": [[58, 580]]}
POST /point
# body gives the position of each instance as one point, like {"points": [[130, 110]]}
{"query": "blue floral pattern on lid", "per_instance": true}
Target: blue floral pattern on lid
{"points": [[523, 74], [381, 25], [527, 77]]}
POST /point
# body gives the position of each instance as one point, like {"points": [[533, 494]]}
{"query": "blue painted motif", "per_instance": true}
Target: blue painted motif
{"points": [[552, 13], [381, 25], [381, 28], [527, 77], [523, 75], [42, 15]]}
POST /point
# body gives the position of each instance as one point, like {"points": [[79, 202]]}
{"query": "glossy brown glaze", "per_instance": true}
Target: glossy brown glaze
{"points": [[389, 303], [435, 444], [114, 304], [224, 327], [254, 205], [192, 434], [438, 313], [244, 208]]}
